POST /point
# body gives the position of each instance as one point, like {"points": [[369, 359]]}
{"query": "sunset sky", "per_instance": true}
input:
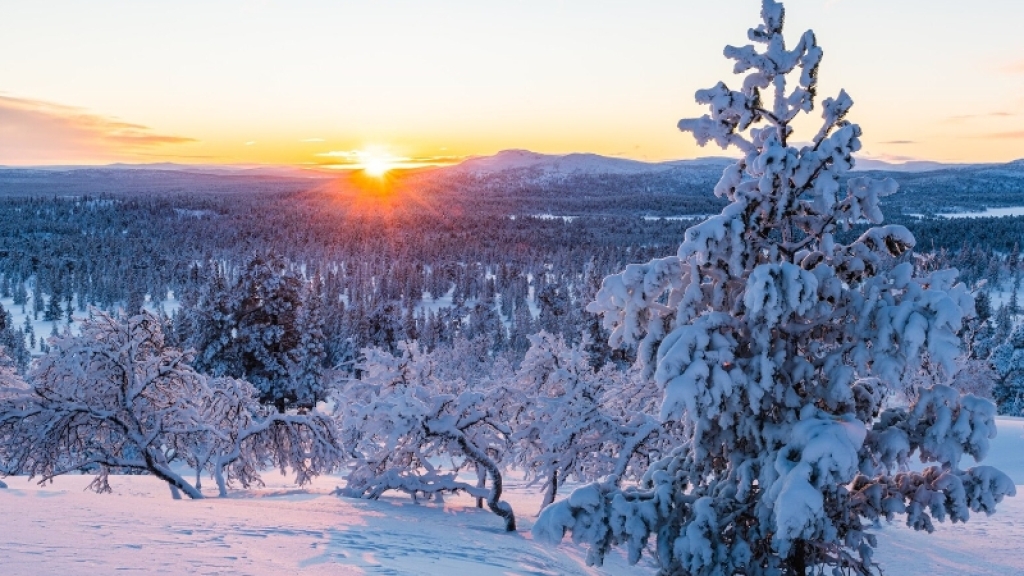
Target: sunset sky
{"points": [[314, 82]]}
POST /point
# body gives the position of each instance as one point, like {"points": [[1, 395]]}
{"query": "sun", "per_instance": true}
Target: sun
{"points": [[376, 162], [373, 161], [376, 166]]}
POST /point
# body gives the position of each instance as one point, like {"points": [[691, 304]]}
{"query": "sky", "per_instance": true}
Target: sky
{"points": [[342, 82]]}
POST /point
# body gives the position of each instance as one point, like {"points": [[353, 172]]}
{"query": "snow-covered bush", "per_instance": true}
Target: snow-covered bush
{"points": [[116, 398], [774, 345], [566, 423], [247, 437], [407, 428]]}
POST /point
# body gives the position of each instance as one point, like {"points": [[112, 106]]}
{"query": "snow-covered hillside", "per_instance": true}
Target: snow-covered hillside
{"points": [[909, 166], [61, 529], [586, 163], [577, 163], [551, 163]]}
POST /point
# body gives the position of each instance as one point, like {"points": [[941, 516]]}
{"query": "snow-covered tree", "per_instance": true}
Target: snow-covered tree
{"points": [[407, 428], [774, 344], [306, 362], [264, 328], [116, 398], [13, 342], [11, 386], [565, 427], [53, 312], [1007, 361], [245, 437], [383, 326]]}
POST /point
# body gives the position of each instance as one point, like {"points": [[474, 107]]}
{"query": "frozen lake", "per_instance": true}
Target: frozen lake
{"points": [[988, 213]]}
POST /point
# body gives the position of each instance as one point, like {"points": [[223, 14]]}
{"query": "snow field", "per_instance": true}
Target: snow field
{"points": [[61, 528]]}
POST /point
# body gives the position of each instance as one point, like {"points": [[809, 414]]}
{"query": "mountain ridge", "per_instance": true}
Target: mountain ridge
{"points": [[513, 160]]}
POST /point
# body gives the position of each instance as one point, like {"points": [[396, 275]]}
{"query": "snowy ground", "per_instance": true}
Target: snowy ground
{"points": [[62, 529]]}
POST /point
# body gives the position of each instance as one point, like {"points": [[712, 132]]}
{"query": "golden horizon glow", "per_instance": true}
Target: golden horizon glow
{"points": [[272, 83], [389, 196], [376, 160]]}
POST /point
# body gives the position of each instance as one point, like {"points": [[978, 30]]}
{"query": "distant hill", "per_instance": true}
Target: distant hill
{"points": [[572, 184], [507, 160], [865, 164], [142, 180], [537, 164], [522, 162], [525, 182]]}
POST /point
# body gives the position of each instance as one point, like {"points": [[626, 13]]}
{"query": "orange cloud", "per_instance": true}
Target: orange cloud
{"points": [[40, 132], [894, 158], [963, 117]]}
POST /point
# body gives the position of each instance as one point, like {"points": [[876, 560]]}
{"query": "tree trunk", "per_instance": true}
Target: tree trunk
{"points": [[164, 473], [481, 482], [552, 491], [218, 476], [494, 503], [798, 559]]}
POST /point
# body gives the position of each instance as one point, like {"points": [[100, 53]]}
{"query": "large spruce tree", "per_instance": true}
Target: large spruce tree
{"points": [[265, 328], [775, 345]]}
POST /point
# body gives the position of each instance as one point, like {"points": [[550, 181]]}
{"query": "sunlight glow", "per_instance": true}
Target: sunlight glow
{"points": [[376, 165], [375, 161], [389, 196]]}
